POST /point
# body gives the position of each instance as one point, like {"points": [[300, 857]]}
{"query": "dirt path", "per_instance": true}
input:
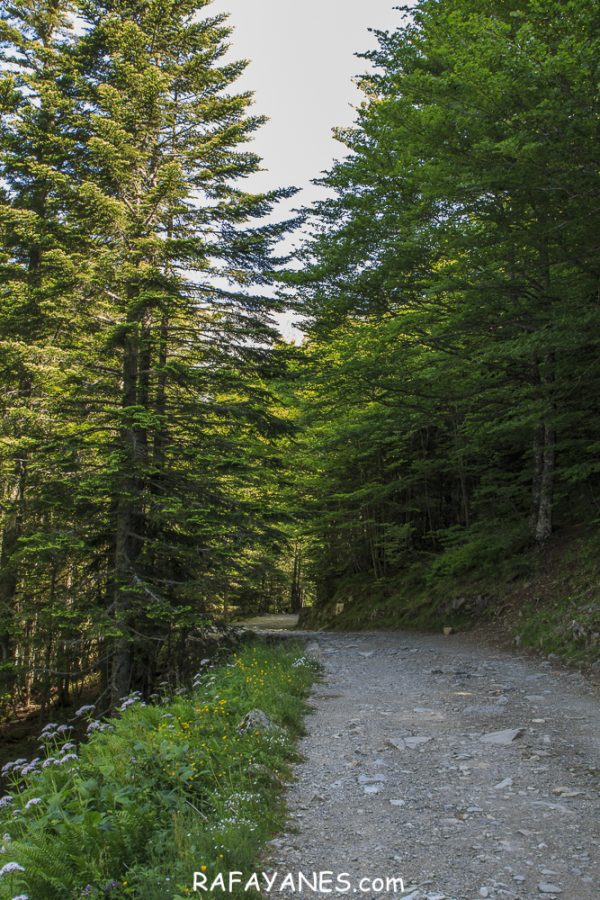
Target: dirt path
{"points": [[397, 781]]}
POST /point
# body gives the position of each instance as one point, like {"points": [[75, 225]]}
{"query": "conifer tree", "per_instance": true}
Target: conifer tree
{"points": [[37, 138]]}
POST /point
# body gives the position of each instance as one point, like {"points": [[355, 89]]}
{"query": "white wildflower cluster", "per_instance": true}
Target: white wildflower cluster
{"points": [[52, 731], [241, 798], [11, 766], [32, 768], [135, 697], [6, 839], [35, 801], [301, 661], [11, 868], [97, 725], [69, 757], [6, 801], [85, 710], [233, 822]]}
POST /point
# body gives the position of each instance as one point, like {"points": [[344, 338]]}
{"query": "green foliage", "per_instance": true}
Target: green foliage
{"points": [[159, 790], [139, 443], [448, 401]]}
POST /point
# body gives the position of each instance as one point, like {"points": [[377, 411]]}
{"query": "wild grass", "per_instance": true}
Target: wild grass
{"points": [[159, 791]]}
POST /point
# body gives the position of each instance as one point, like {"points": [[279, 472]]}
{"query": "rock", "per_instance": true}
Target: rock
{"points": [[398, 802], [566, 792], [366, 653], [484, 892], [503, 784], [398, 743], [413, 742], [371, 779], [372, 788], [448, 630], [256, 720], [558, 807], [544, 887], [502, 737]]}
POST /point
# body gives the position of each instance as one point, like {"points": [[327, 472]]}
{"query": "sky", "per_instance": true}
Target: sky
{"points": [[302, 70]]}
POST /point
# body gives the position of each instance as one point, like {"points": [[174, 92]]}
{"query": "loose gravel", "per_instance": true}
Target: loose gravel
{"points": [[467, 772]]}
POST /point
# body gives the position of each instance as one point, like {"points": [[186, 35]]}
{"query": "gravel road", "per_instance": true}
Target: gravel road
{"points": [[404, 773]]}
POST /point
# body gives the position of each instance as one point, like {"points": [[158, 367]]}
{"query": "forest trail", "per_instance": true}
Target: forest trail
{"points": [[397, 781]]}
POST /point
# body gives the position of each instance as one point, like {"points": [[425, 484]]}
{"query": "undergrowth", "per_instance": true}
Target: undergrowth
{"points": [[546, 599], [157, 792]]}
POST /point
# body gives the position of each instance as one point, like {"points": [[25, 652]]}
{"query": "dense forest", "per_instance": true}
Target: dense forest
{"points": [[165, 457], [449, 407], [137, 452]]}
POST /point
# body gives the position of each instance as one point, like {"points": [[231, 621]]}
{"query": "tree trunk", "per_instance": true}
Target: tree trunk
{"points": [[296, 588], [125, 542], [543, 526]]}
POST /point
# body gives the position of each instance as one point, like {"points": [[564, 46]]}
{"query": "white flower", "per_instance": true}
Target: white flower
{"points": [[21, 897], [68, 758], [84, 710], [66, 747], [5, 801], [35, 801], [49, 762], [127, 703], [9, 868], [49, 727]]}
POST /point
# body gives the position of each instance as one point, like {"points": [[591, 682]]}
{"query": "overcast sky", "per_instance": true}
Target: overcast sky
{"points": [[302, 66]]}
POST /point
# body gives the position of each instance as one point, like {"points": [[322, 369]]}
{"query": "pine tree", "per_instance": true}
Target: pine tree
{"points": [[37, 140], [177, 264]]}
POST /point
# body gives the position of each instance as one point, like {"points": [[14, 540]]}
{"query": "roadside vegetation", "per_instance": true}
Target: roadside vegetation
{"points": [[158, 791], [546, 600]]}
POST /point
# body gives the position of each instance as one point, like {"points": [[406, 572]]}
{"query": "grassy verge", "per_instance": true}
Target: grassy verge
{"points": [[544, 599], [160, 791]]}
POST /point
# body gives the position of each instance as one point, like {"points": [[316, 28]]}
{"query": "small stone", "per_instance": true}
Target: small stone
{"points": [[256, 720], [503, 784], [544, 887], [413, 742], [484, 892], [566, 792], [448, 631], [371, 779], [502, 737]]}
